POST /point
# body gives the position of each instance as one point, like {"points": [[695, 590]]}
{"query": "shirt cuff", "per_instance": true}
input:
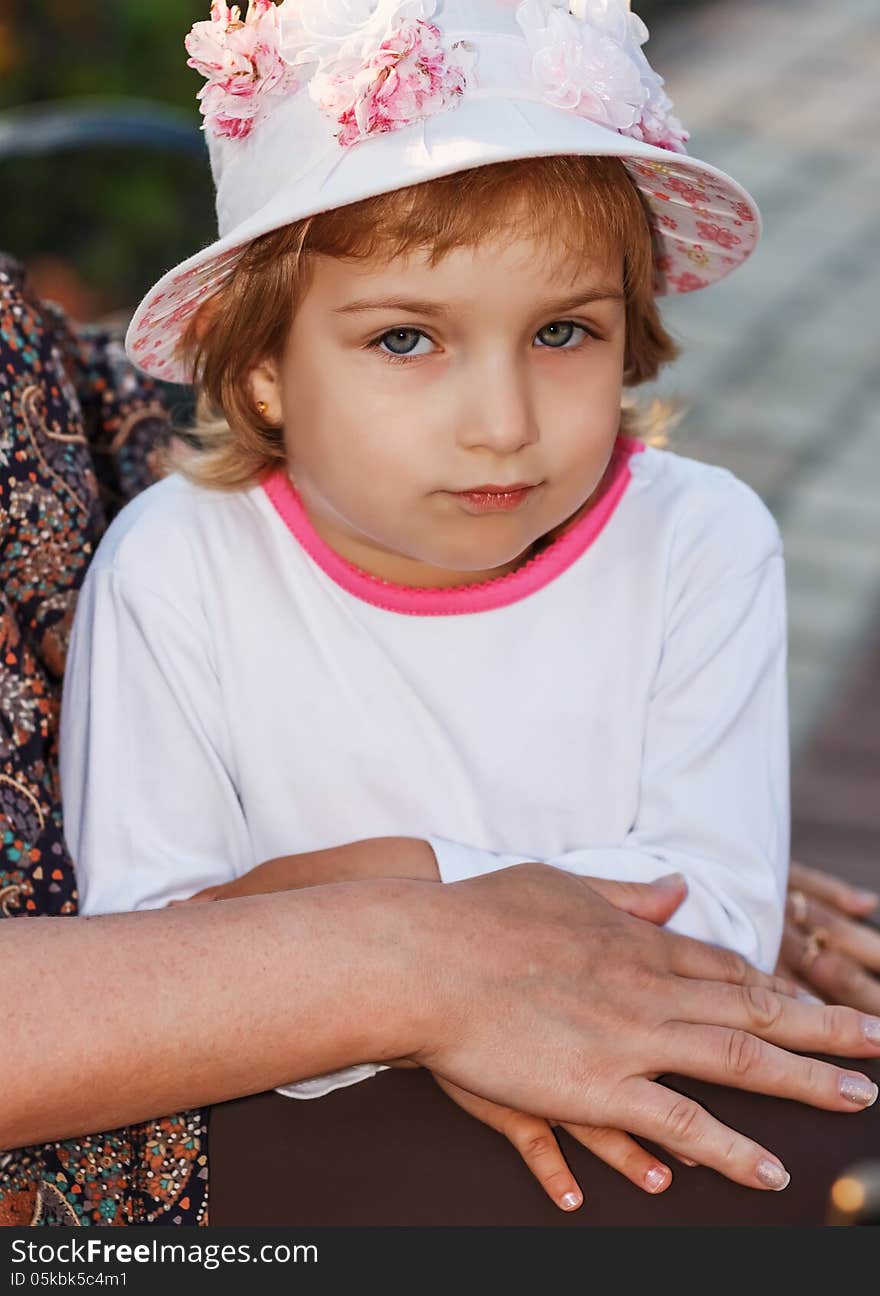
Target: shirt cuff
{"points": [[456, 861]]}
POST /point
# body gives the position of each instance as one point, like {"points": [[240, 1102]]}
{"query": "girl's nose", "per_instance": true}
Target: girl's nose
{"points": [[497, 409]]}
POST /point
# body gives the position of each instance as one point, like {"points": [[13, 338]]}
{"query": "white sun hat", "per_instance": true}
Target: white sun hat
{"points": [[313, 104]]}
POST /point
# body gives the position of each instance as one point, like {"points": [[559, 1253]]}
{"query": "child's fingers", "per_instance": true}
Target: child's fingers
{"points": [[533, 1139], [624, 1154], [535, 1142]]}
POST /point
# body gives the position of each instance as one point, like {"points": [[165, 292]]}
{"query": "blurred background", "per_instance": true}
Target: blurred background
{"points": [[100, 146], [105, 185]]}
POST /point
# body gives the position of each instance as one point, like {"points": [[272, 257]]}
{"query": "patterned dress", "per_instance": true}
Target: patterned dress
{"points": [[81, 432]]}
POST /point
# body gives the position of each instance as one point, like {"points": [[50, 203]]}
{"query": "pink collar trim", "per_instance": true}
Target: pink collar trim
{"points": [[483, 597]]}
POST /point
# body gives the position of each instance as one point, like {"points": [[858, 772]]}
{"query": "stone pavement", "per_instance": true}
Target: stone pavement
{"points": [[781, 363], [835, 802]]}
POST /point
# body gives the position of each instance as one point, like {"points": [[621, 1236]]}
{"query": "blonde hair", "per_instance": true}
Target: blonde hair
{"points": [[589, 203]]}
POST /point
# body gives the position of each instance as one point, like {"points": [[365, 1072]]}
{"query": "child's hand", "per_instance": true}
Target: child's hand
{"points": [[536, 1143]]}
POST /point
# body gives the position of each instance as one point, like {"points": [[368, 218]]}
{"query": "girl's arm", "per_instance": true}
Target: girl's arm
{"points": [[151, 812], [374, 857]]}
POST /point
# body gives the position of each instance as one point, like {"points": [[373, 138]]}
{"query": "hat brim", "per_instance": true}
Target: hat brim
{"points": [[705, 224]]}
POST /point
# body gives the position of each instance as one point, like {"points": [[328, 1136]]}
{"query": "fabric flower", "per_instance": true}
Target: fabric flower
{"points": [[587, 57], [686, 190], [687, 282], [579, 66], [345, 31], [717, 234], [408, 75], [743, 211], [242, 64]]}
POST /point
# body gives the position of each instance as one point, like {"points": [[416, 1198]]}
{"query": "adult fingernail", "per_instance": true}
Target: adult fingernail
{"points": [[569, 1201], [872, 1030], [806, 997], [671, 881], [858, 1089], [867, 897], [772, 1175], [656, 1178]]}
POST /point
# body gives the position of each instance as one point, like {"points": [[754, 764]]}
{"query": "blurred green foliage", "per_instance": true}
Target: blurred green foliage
{"points": [[116, 216], [50, 49]]}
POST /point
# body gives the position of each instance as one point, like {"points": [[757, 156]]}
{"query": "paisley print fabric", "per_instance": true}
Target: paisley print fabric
{"points": [[81, 432]]}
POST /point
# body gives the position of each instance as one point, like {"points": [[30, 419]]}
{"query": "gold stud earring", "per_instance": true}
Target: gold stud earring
{"points": [[262, 407]]}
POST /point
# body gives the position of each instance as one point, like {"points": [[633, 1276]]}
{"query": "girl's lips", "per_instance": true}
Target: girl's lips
{"points": [[492, 501]]}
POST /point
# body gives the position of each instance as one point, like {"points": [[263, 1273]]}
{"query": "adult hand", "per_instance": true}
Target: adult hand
{"points": [[609, 1002], [532, 1136], [525, 987], [826, 946]]}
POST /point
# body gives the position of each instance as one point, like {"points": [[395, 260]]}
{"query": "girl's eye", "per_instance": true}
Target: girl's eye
{"points": [[559, 334], [401, 343]]}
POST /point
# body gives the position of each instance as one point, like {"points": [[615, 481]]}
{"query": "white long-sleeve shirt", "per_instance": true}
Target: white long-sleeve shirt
{"points": [[236, 691]]}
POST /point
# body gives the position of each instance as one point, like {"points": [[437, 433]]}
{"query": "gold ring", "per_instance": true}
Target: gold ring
{"points": [[817, 940], [798, 907]]}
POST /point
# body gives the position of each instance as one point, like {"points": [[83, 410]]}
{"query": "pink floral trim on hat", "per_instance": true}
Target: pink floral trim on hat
{"points": [[243, 65], [409, 76], [378, 65]]}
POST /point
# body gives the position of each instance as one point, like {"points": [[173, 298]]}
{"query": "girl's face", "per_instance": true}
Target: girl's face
{"points": [[401, 384]]}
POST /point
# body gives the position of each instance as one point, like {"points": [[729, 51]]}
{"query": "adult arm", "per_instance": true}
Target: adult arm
{"points": [[475, 981]]}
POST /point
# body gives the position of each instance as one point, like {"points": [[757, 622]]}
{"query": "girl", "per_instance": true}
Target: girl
{"points": [[423, 605]]}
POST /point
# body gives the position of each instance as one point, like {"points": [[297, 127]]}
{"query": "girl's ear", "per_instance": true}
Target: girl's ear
{"points": [[265, 391]]}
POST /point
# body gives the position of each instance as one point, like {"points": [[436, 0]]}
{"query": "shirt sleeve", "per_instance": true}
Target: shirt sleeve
{"points": [[714, 793], [150, 809]]}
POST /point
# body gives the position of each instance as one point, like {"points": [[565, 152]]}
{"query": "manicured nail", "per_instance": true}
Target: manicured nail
{"points": [[656, 1178], [671, 881], [570, 1201], [772, 1175], [872, 1030], [858, 1089]]}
